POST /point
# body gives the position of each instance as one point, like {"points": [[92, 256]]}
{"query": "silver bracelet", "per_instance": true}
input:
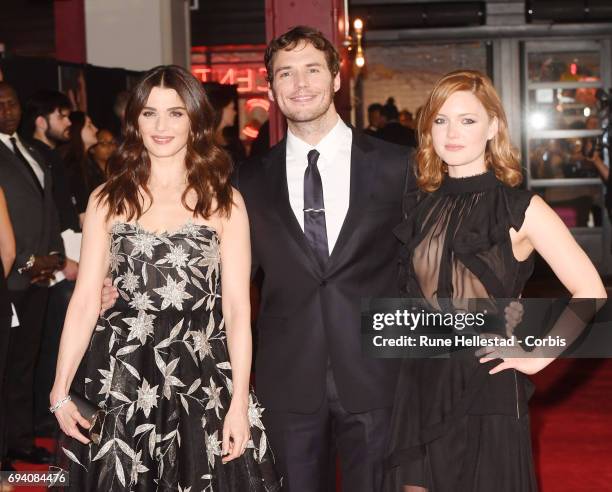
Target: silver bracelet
{"points": [[28, 266], [57, 406]]}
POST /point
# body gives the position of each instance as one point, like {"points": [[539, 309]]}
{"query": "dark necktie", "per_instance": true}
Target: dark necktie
{"points": [[314, 209], [25, 162]]}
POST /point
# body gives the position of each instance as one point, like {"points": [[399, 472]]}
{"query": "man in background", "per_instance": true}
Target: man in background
{"points": [[26, 182], [46, 125], [375, 119], [393, 131]]}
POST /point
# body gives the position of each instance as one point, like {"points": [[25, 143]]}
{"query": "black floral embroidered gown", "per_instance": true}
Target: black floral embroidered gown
{"points": [[158, 365], [455, 428]]}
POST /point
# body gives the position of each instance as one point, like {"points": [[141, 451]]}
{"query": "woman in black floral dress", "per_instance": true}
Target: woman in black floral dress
{"points": [[169, 364], [461, 424]]}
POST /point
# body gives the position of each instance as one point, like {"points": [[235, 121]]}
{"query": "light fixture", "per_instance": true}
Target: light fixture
{"points": [[359, 57], [349, 42], [538, 121]]}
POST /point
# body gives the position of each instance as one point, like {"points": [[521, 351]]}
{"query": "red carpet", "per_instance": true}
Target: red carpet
{"points": [[571, 415], [22, 467]]}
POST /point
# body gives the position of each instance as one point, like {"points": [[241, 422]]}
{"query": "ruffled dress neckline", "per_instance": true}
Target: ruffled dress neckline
{"points": [[470, 184]]}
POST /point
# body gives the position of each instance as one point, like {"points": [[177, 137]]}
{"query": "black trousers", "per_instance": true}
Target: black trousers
{"points": [[24, 345], [5, 331], [59, 298], [304, 446]]}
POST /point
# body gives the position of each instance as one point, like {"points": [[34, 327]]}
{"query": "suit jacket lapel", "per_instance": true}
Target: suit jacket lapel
{"points": [[275, 166], [38, 157], [16, 163], [362, 173]]}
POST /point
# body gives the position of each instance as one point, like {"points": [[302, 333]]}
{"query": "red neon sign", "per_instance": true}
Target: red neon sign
{"points": [[250, 131], [257, 102], [250, 80]]}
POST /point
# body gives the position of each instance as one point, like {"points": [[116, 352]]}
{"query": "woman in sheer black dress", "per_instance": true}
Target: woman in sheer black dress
{"points": [[461, 424]]}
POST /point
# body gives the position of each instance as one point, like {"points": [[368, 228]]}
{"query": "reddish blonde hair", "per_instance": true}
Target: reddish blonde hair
{"points": [[500, 155]]}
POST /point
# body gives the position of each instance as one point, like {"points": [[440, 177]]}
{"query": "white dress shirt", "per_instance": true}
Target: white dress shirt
{"points": [[335, 168], [33, 163]]}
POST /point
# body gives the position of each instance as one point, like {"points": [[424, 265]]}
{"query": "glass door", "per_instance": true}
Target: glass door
{"points": [[565, 109]]}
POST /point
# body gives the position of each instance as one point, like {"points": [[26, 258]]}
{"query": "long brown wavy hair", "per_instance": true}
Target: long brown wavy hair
{"points": [[73, 152], [500, 155], [208, 166]]}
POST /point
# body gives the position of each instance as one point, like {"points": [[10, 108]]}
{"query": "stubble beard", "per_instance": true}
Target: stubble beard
{"points": [[316, 114], [56, 137]]}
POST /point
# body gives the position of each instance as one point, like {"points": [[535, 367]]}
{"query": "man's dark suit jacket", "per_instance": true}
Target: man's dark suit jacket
{"points": [[33, 215], [309, 314], [62, 194], [397, 133]]}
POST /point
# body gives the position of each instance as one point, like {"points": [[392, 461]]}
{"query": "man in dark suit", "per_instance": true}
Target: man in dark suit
{"points": [[26, 183], [46, 125], [376, 121], [322, 205], [393, 131]]}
